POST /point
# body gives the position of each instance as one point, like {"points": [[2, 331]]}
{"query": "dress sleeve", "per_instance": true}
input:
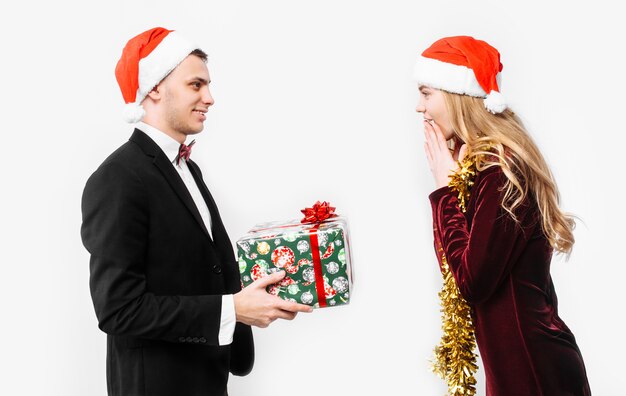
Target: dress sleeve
{"points": [[480, 256]]}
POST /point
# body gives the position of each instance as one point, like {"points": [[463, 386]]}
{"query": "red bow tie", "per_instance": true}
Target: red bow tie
{"points": [[184, 151]]}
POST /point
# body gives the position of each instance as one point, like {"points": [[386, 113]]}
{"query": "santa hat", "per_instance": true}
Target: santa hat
{"points": [[463, 65], [146, 60]]}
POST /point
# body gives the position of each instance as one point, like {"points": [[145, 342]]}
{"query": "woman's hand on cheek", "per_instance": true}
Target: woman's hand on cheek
{"points": [[440, 160]]}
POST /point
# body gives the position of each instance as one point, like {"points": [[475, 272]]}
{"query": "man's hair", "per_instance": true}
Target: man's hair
{"points": [[200, 54], [197, 52]]}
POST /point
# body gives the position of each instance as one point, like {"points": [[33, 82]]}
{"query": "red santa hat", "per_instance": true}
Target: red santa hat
{"points": [[463, 65], [146, 60]]}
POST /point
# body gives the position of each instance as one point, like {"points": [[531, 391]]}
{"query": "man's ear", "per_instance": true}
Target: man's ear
{"points": [[155, 94]]}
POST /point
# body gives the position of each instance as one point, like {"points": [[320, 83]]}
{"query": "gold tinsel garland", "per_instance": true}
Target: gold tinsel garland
{"points": [[462, 181], [455, 359]]}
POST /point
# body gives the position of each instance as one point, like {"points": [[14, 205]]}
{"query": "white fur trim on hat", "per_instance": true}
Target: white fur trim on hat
{"points": [[495, 102], [448, 77], [155, 67], [162, 60]]}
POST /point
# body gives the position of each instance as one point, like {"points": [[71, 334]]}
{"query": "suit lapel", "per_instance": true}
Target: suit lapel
{"points": [[167, 170], [219, 231], [222, 242]]}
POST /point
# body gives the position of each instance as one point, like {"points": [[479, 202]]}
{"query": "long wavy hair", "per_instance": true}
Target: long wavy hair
{"points": [[502, 140]]}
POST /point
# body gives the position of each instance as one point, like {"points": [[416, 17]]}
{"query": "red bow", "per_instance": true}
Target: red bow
{"points": [[318, 213], [184, 151]]}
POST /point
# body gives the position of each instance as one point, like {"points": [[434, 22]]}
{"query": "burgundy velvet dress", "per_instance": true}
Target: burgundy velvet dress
{"points": [[503, 271]]}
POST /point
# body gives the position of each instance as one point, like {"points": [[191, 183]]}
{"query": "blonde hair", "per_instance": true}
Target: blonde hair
{"points": [[501, 140]]}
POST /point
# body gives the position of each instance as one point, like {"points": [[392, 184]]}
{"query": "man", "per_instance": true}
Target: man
{"points": [[164, 281]]}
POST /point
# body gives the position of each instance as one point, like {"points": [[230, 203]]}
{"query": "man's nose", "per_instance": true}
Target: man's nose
{"points": [[207, 97]]}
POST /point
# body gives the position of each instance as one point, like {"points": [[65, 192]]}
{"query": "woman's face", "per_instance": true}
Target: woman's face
{"points": [[433, 106]]}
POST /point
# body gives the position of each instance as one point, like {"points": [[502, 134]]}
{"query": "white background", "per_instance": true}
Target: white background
{"points": [[314, 100]]}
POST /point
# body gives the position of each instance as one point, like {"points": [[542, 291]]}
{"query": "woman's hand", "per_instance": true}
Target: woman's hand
{"points": [[442, 163]]}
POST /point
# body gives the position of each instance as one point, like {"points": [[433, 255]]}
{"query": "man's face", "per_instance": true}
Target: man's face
{"points": [[186, 97]]}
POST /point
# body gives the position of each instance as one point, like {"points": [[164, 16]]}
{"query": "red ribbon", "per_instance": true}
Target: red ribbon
{"points": [[317, 267], [317, 214]]}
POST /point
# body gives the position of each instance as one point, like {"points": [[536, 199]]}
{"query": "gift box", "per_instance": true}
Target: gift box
{"points": [[314, 253]]}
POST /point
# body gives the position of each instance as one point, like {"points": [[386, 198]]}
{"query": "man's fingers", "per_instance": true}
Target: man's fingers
{"points": [[269, 279], [286, 315], [293, 307]]}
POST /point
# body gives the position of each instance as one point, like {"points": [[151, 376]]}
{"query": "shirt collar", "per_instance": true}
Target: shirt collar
{"points": [[165, 142]]}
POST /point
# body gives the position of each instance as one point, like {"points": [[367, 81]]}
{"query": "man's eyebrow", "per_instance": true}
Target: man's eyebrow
{"points": [[202, 80]]}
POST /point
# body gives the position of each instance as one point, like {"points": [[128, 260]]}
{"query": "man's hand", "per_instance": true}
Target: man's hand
{"points": [[254, 306]]}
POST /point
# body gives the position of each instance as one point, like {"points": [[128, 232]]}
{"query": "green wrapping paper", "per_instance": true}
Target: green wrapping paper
{"points": [[289, 246]]}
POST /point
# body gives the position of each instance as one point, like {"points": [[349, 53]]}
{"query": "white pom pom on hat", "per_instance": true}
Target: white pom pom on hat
{"points": [[133, 113], [465, 66], [495, 103], [146, 60]]}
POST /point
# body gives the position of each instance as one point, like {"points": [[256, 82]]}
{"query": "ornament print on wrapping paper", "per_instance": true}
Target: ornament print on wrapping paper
{"points": [[298, 261]]}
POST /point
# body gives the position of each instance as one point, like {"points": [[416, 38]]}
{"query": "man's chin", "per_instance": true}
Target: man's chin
{"points": [[195, 130]]}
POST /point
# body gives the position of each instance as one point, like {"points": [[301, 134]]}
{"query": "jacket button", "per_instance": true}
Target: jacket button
{"points": [[181, 339], [202, 340], [217, 269], [196, 340]]}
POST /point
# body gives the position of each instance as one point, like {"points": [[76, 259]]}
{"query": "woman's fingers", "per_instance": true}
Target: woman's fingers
{"points": [[462, 152], [439, 138], [431, 139], [441, 161], [428, 145], [428, 156], [436, 141]]}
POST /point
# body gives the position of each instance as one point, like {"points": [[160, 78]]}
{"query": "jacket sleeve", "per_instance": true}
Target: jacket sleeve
{"points": [[115, 231], [242, 350], [480, 257]]}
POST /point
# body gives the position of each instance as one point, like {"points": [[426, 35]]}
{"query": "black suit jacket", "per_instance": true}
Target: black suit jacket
{"points": [[157, 278]]}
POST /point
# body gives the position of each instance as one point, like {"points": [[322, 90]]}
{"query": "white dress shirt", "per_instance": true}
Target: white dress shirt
{"points": [[170, 147]]}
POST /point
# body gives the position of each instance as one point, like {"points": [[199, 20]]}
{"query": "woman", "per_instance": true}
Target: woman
{"points": [[496, 223]]}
